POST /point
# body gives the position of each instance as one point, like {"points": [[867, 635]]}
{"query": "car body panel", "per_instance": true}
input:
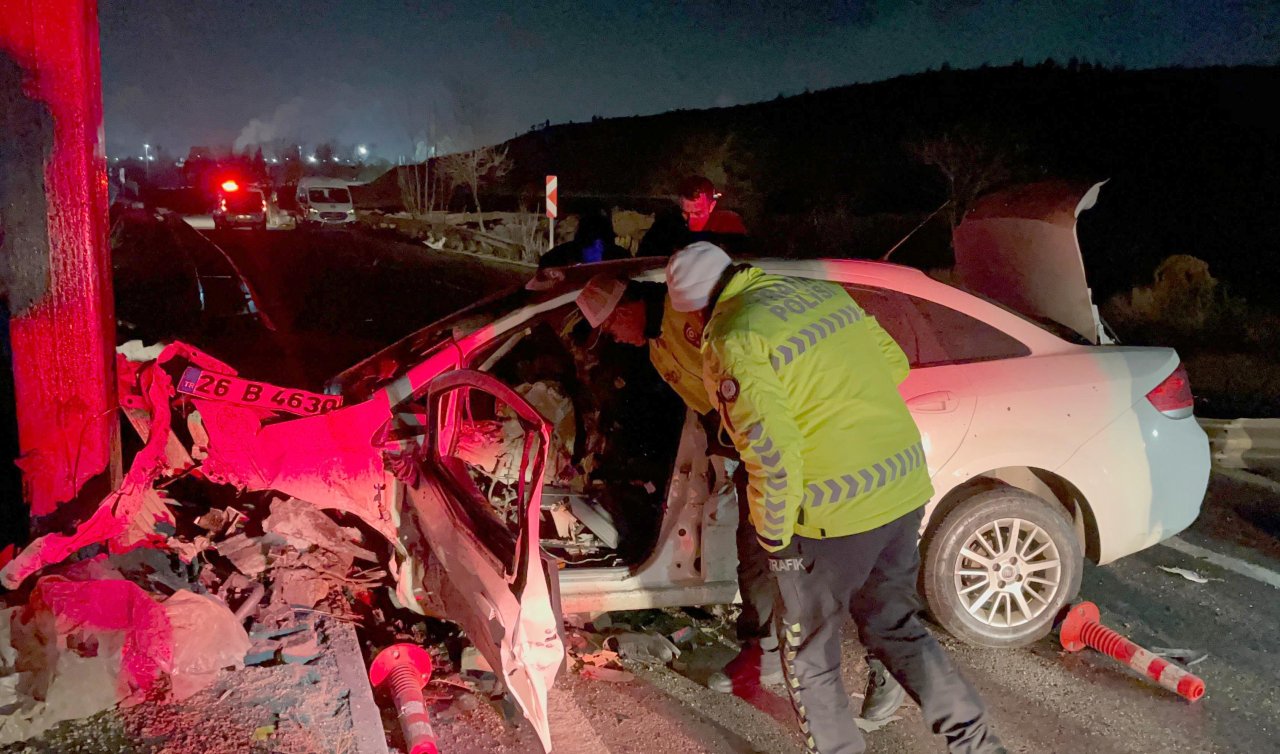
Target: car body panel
{"points": [[1140, 499], [503, 600], [1019, 246]]}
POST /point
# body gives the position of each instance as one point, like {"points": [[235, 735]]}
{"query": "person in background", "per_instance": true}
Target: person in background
{"points": [[594, 241], [805, 420], [698, 199], [696, 217]]}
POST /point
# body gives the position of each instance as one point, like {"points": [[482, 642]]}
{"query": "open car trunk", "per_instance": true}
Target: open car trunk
{"points": [[1019, 247]]}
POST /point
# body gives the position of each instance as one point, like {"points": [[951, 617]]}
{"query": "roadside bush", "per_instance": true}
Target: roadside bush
{"points": [[1184, 306]]}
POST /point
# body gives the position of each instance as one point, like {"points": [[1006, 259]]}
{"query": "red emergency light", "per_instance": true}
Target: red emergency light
{"points": [[230, 186]]}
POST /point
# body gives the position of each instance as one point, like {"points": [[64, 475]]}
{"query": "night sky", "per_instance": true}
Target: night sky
{"points": [[395, 74]]}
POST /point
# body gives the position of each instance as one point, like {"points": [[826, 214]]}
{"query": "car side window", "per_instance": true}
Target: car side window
{"points": [[962, 338], [894, 314], [931, 334]]}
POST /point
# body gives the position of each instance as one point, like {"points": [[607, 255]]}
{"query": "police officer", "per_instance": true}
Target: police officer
{"points": [[638, 314], [806, 385]]}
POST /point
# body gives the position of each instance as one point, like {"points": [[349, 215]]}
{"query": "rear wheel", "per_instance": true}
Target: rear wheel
{"points": [[1000, 566]]}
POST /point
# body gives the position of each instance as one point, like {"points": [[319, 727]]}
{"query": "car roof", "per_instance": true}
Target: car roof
{"points": [[312, 182], [557, 281]]}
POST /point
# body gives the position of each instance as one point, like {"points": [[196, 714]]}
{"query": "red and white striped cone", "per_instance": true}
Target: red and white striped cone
{"points": [[405, 669], [1083, 627]]}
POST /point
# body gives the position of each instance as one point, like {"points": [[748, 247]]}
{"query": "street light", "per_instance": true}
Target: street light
{"points": [[362, 150], [146, 158]]}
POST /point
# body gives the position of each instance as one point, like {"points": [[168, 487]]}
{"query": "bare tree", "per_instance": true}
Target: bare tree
{"points": [[972, 161], [414, 193], [476, 167]]}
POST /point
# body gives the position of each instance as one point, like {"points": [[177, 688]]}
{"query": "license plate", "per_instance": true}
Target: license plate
{"points": [[224, 387]]}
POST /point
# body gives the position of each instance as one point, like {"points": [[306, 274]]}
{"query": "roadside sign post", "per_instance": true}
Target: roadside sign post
{"points": [[552, 199]]}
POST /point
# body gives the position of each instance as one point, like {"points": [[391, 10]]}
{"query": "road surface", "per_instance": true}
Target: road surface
{"points": [[1041, 699]]}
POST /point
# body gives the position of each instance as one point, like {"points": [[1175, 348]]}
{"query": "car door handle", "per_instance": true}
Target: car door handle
{"points": [[938, 402]]}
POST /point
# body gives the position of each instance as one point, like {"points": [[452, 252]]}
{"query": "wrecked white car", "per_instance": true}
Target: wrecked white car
{"points": [[525, 469]]}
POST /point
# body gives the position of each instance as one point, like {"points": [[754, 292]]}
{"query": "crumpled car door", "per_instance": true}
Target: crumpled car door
{"points": [[1019, 247], [497, 587]]}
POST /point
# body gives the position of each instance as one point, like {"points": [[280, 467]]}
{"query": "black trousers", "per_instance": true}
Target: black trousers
{"points": [[871, 576], [757, 620]]}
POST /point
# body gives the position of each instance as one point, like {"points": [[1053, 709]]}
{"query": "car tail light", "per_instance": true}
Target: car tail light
{"points": [[1173, 396]]}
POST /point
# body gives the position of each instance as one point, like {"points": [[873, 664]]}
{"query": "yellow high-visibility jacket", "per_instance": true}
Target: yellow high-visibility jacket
{"points": [[677, 355], [807, 387]]}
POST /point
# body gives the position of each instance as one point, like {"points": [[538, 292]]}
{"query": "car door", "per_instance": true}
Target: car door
{"points": [[936, 391], [497, 586]]}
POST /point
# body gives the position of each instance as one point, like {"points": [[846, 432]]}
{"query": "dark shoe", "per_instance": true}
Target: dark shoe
{"points": [[752, 668], [884, 694]]}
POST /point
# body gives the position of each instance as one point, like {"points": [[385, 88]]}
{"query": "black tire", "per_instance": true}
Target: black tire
{"points": [[1001, 621]]}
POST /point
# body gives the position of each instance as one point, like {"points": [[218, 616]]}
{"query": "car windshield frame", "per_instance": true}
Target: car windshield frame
{"points": [[361, 380]]}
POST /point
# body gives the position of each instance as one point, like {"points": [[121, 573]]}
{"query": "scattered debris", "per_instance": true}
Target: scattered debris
{"points": [[301, 647], [607, 674], [599, 659], [1182, 656], [871, 726], [207, 637], [246, 553], [1188, 575], [684, 635], [474, 662], [304, 526], [643, 647]]}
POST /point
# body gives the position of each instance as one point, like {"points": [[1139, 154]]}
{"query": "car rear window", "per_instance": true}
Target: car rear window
{"points": [[245, 201], [931, 334]]}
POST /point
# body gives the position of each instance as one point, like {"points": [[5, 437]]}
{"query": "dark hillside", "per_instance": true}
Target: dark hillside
{"points": [[1192, 156]]}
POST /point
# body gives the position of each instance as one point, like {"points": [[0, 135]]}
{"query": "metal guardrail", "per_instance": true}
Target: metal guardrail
{"points": [[1244, 443]]}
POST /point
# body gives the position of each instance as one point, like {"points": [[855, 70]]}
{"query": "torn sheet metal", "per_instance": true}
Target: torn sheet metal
{"points": [[327, 460]]}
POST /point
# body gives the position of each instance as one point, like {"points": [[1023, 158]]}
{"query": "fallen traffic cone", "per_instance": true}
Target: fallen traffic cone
{"points": [[405, 669], [1083, 627]]}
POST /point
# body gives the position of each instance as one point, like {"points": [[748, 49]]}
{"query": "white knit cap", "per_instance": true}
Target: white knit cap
{"points": [[692, 274]]}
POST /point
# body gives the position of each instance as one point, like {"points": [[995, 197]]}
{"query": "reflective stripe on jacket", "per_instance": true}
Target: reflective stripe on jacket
{"points": [[807, 387], [677, 355]]}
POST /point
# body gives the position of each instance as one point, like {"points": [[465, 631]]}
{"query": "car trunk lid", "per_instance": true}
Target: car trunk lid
{"points": [[1019, 246]]}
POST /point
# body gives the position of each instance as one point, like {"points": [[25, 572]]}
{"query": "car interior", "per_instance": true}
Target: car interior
{"points": [[615, 430]]}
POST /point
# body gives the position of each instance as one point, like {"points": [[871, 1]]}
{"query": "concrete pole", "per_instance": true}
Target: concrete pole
{"points": [[56, 268]]}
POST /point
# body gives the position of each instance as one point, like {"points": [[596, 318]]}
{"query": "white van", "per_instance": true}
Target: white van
{"points": [[324, 201]]}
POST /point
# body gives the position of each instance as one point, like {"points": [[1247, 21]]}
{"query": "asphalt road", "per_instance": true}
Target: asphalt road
{"points": [[337, 296], [1041, 698]]}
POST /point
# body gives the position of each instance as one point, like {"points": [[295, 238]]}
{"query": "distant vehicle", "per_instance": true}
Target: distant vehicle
{"points": [[240, 206], [324, 201]]}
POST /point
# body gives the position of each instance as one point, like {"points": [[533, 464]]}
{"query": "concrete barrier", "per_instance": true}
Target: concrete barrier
{"points": [[1244, 443]]}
